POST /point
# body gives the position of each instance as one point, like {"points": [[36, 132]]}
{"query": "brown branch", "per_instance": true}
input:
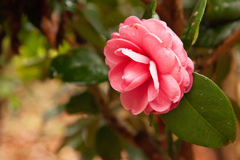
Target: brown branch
{"points": [[171, 11], [145, 142], [224, 47]]}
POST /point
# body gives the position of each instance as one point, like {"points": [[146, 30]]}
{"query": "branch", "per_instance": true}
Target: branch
{"points": [[146, 143], [225, 46], [171, 11]]}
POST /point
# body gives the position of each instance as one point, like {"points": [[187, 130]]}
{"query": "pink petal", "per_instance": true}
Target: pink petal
{"points": [[115, 35], [177, 48], [187, 89], [136, 56], [170, 87], [174, 105], [154, 86], [133, 33], [114, 44], [176, 71], [131, 20], [135, 71], [115, 76], [161, 103], [186, 78], [152, 91], [190, 66], [163, 57], [148, 110], [109, 63], [160, 29], [136, 99]]}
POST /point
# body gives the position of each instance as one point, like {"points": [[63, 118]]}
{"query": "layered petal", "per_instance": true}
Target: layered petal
{"points": [[161, 103], [136, 56], [163, 57], [114, 44], [159, 28], [130, 20], [133, 33], [170, 87], [135, 100]]}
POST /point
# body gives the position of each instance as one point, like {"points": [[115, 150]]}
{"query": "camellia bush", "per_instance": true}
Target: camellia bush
{"points": [[151, 72]]}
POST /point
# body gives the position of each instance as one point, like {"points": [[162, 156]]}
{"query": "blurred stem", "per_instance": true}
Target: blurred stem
{"points": [[223, 48], [146, 143]]}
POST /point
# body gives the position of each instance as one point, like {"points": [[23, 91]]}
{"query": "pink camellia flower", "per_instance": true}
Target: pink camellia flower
{"points": [[148, 65]]}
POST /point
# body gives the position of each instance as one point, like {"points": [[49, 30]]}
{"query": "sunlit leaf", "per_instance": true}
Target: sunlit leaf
{"points": [[204, 116], [189, 34]]}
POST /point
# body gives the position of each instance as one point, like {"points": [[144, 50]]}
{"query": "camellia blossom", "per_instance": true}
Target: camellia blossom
{"points": [[148, 65]]}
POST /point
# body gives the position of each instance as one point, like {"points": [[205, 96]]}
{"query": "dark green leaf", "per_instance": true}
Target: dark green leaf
{"points": [[223, 10], [82, 103], [93, 15], [236, 109], [108, 144], [134, 153], [53, 112], [204, 116], [190, 32], [150, 10], [82, 66], [213, 36]]}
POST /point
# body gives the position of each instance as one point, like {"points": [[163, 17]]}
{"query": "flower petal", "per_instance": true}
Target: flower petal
{"points": [[148, 110], [170, 87], [161, 103], [135, 73], [154, 85], [163, 57], [136, 56], [159, 28], [115, 76], [136, 99], [131, 20], [114, 44], [133, 33]]}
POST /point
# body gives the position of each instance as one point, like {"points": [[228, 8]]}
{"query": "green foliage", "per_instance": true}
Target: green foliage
{"points": [[108, 145], [191, 31], [204, 115], [82, 103], [81, 66], [150, 11]]}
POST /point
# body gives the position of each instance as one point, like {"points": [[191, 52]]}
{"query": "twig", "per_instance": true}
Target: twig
{"points": [[141, 139], [225, 46]]}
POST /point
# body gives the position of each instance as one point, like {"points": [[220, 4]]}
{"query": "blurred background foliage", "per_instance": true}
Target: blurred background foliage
{"points": [[64, 39]]}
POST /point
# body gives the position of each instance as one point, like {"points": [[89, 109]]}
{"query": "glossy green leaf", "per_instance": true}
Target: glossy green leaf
{"points": [[204, 116], [81, 66], [108, 144], [189, 34], [93, 15], [223, 10], [150, 10], [213, 36], [82, 103]]}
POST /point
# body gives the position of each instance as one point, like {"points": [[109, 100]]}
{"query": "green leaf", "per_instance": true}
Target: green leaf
{"points": [[53, 112], [189, 34], [236, 109], [108, 144], [134, 153], [82, 67], [223, 10], [150, 10], [204, 116], [82, 103], [213, 36], [93, 15]]}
